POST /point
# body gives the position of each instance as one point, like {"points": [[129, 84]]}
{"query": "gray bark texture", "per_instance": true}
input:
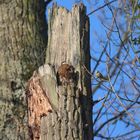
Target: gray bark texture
{"points": [[68, 41], [23, 44]]}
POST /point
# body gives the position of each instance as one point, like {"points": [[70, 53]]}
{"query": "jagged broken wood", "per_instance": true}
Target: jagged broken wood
{"points": [[71, 107]]}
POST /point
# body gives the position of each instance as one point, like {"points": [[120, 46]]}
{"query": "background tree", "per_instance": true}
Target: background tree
{"points": [[23, 40]]}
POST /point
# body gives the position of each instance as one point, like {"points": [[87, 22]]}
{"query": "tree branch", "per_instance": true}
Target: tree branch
{"points": [[101, 7]]}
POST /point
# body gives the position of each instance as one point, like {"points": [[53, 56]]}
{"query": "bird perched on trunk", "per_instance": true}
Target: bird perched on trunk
{"points": [[101, 77], [65, 73]]}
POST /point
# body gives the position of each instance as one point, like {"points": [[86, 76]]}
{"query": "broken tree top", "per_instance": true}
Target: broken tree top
{"points": [[68, 41], [65, 34]]}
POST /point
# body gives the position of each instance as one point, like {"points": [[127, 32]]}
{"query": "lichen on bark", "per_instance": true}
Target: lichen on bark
{"points": [[22, 47]]}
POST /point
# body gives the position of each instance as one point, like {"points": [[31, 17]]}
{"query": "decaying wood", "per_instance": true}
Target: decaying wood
{"points": [[42, 98], [69, 41], [65, 110], [38, 105]]}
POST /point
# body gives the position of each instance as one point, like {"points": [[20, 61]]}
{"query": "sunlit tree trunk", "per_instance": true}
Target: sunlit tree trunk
{"points": [[69, 41], [23, 39]]}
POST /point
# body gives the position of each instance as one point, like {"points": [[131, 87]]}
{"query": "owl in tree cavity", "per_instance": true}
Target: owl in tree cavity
{"points": [[65, 74]]}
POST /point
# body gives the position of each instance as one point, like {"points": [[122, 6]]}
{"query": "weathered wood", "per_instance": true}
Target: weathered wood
{"points": [[69, 41]]}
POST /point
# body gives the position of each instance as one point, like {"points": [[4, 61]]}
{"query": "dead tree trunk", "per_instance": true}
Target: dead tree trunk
{"points": [[71, 118]]}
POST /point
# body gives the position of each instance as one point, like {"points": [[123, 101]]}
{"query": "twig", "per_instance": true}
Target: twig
{"points": [[101, 7]]}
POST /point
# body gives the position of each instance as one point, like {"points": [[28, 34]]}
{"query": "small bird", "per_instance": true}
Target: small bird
{"points": [[66, 73], [101, 77]]}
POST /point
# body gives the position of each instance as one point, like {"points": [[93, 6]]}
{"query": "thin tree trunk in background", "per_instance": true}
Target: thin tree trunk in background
{"points": [[69, 41], [23, 38]]}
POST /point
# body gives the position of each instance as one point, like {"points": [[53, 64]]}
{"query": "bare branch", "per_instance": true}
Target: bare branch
{"points": [[101, 7]]}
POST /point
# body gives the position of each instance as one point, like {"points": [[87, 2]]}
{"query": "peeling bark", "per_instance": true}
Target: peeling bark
{"points": [[38, 105]]}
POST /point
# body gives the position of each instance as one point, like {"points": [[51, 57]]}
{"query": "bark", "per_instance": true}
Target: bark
{"points": [[69, 41], [23, 38]]}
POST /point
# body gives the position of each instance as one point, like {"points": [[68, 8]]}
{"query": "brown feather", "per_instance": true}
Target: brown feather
{"points": [[65, 73]]}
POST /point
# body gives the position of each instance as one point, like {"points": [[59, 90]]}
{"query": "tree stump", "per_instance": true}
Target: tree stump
{"points": [[68, 42]]}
